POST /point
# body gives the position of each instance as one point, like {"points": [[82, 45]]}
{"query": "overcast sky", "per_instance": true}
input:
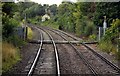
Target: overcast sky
{"points": [[50, 2]]}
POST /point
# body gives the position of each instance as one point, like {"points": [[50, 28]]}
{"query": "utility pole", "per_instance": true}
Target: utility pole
{"points": [[25, 29]]}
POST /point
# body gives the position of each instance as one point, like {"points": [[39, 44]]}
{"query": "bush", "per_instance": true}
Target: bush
{"points": [[84, 27], [80, 27], [8, 25], [107, 46], [15, 40], [113, 32], [50, 23], [109, 42], [92, 37]]}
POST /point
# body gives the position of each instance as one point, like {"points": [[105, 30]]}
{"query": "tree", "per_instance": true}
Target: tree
{"points": [[9, 8], [109, 9], [53, 9]]}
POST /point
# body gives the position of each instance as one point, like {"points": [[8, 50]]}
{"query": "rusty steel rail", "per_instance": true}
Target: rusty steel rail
{"points": [[36, 57], [115, 67], [95, 73], [103, 58], [56, 53]]}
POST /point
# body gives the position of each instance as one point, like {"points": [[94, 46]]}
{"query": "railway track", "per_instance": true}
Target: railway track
{"points": [[36, 59], [81, 55], [115, 67], [94, 72]]}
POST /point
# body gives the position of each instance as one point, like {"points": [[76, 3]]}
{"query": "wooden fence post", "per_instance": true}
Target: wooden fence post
{"points": [[26, 32]]}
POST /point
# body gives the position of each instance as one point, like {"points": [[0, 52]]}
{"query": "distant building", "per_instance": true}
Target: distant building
{"points": [[45, 17]]}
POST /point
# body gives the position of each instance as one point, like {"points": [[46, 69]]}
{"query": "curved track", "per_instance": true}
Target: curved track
{"points": [[36, 59], [115, 67], [91, 67], [94, 72], [56, 53], [37, 56]]}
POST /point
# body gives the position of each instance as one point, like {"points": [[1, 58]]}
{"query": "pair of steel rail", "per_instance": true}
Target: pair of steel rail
{"points": [[39, 51], [115, 67], [95, 73]]}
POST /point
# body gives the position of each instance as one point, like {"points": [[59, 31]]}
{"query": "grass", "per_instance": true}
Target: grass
{"points": [[107, 47], [10, 55], [30, 33], [0, 58]]}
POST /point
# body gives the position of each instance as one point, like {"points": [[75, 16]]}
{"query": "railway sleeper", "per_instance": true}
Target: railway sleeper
{"points": [[60, 42]]}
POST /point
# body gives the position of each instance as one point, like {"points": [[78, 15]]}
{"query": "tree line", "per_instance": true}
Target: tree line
{"points": [[80, 18]]}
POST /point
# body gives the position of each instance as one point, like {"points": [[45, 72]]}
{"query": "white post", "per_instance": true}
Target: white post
{"points": [[104, 25], [99, 34]]}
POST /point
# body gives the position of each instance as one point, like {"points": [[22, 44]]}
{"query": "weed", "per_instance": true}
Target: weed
{"points": [[10, 55], [108, 47], [30, 33]]}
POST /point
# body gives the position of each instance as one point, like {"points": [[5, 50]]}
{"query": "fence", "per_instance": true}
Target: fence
{"points": [[21, 32]]}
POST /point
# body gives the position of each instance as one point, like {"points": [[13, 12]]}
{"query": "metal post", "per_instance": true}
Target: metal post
{"points": [[26, 33], [104, 31], [104, 25], [118, 51], [99, 34]]}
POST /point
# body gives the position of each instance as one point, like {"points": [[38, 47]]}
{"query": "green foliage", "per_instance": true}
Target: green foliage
{"points": [[66, 19], [9, 8], [89, 29], [111, 38], [92, 37], [15, 40], [85, 27], [113, 32], [35, 10], [34, 20], [30, 33], [50, 23], [103, 45], [108, 9], [53, 9], [17, 16], [77, 18], [8, 25]]}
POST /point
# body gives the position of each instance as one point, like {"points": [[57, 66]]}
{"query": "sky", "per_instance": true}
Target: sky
{"points": [[50, 2]]}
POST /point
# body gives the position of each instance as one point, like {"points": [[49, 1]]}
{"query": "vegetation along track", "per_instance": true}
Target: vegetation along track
{"points": [[37, 58], [114, 70]]}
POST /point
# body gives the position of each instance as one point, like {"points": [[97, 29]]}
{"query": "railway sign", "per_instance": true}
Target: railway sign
{"points": [[104, 25]]}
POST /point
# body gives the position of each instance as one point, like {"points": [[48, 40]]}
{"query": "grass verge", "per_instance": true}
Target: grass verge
{"points": [[108, 47], [30, 34], [10, 55]]}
